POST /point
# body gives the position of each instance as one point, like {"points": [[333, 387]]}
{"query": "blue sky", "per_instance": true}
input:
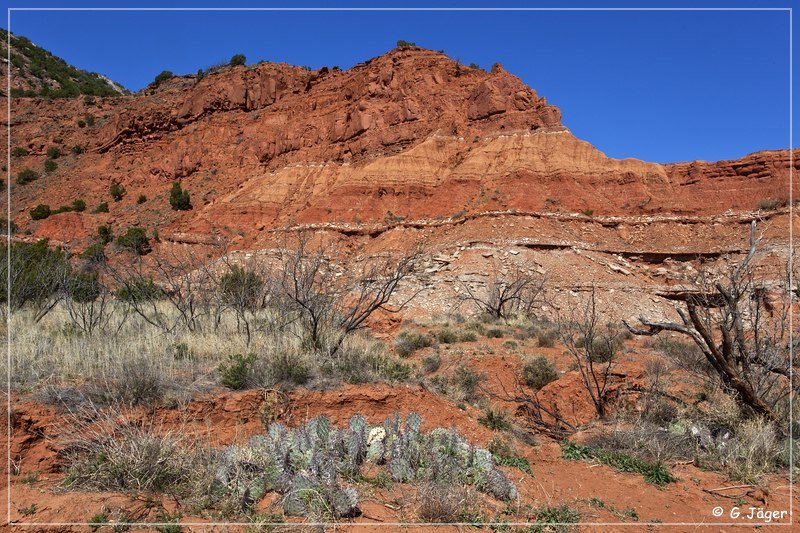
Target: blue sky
{"points": [[659, 86]]}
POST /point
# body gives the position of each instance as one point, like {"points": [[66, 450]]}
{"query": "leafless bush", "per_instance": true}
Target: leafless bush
{"points": [[593, 349], [331, 305], [519, 292]]}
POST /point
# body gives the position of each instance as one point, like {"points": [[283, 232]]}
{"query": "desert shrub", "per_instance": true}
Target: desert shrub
{"points": [[26, 175], [408, 342], [78, 205], [236, 372], [361, 361], [77, 149], [81, 123], [139, 289], [40, 212], [178, 198], [405, 44], [238, 59], [136, 381], [495, 333], [101, 208], [54, 152], [495, 419], [242, 288], [682, 354], [163, 76], [467, 336], [104, 234], [9, 226], [37, 273], [89, 100], [83, 287], [538, 372], [768, 204], [546, 338], [505, 454], [109, 455], [19, 151], [752, 451], [602, 350], [136, 240], [447, 336], [467, 383], [288, 368], [431, 363], [95, 253], [116, 191], [142, 199], [89, 119]]}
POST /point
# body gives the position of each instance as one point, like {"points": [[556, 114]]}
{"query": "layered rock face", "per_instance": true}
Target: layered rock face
{"points": [[408, 135]]}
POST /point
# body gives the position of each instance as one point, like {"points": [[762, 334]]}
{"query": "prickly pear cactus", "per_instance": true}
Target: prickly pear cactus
{"points": [[308, 463]]}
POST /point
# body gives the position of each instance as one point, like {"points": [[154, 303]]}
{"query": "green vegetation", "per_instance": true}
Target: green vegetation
{"points": [[116, 191], [43, 66], [37, 271], [142, 199], [538, 372], [26, 175], [54, 152], [40, 212], [163, 76], [495, 419], [237, 370], [19, 151], [555, 519], [136, 240], [50, 165], [178, 198], [655, 473], [408, 342], [405, 44], [78, 205], [238, 59], [102, 208]]}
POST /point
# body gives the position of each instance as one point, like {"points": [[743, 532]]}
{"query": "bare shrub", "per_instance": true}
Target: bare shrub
{"points": [[331, 307], [593, 349], [504, 296]]}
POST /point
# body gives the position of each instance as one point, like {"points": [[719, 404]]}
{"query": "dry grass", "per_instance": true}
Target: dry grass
{"points": [[135, 363]]}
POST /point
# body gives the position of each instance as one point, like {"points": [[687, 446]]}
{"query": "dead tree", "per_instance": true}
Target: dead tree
{"points": [[592, 347], [728, 320], [506, 295], [186, 282], [332, 304]]}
